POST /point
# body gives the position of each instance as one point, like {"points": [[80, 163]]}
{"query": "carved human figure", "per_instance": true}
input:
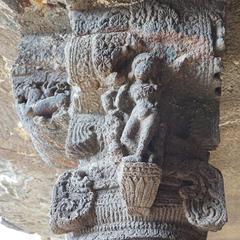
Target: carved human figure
{"points": [[47, 99], [115, 117], [144, 92]]}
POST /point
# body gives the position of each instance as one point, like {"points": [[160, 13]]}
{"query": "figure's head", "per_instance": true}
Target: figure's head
{"points": [[143, 67]]}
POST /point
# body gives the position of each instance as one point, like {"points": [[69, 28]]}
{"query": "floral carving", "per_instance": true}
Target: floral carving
{"points": [[139, 183]]}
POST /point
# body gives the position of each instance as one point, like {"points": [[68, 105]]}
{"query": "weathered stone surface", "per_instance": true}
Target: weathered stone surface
{"points": [[148, 77], [226, 157], [25, 165], [25, 183]]}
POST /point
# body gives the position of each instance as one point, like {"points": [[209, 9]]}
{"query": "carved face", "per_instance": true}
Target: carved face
{"points": [[143, 67]]}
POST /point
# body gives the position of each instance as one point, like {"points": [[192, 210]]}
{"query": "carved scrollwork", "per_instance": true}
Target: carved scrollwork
{"points": [[204, 200], [72, 203]]}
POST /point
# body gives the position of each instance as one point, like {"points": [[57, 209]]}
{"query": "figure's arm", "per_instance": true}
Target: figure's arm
{"points": [[121, 96], [108, 100]]}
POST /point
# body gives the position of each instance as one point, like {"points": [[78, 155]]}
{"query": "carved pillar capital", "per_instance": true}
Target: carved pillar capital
{"points": [[136, 103]]}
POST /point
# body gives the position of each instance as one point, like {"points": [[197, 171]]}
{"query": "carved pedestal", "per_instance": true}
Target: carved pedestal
{"points": [[139, 110]]}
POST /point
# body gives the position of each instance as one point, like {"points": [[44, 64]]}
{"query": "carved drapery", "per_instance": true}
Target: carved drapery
{"points": [[133, 96]]}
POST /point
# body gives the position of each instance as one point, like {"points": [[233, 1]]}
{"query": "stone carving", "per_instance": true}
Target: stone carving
{"points": [[139, 186], [144, 119], [73, 204], [115, 117], [43, 96], [83, 140], [204, 200], [139, 98]]}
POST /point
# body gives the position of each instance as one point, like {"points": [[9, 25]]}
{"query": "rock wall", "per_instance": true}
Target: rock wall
{"points": [[25, 182], [226, 157]]}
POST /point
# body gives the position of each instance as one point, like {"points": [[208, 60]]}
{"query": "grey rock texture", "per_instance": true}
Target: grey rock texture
{"points": [[148, 76], [33, 179], [24, 180], [226, 157], [43, 95]]}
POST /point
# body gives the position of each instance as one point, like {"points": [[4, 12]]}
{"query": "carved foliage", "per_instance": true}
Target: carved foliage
{"points": [[204, 200], [139, 184]]}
